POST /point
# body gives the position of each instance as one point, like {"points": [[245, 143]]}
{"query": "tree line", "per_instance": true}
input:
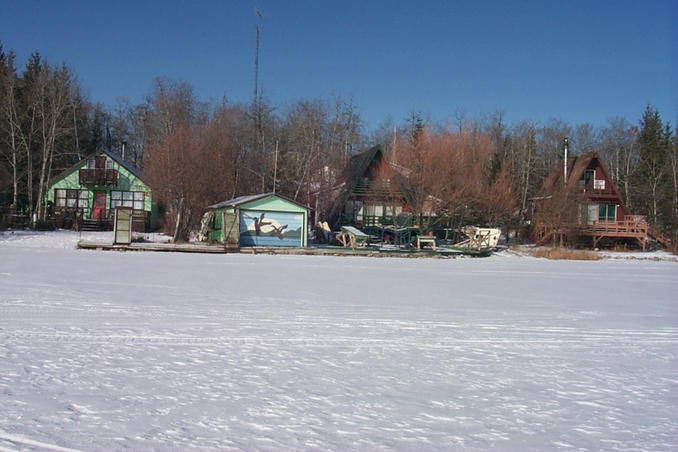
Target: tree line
{"points": [[479, 170]]}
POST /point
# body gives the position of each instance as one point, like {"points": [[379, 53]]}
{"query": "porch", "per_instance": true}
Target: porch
{"points": [[632, 226], [102, 220]]}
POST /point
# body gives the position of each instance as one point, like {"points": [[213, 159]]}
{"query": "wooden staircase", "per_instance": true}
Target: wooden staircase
{"points": [[632, 227], [89, 225], [542, 235], [659, 237]]}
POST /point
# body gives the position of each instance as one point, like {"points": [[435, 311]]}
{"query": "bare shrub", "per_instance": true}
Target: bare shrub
{"points": [[564, 254]]}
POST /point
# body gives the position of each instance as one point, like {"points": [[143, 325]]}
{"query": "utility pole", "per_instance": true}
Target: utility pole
{"points": [[394, 157], [257, 13], [275, 167], [565, 161]]}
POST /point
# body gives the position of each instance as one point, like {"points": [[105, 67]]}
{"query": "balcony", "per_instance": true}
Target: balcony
{"points": [[99, 176], [383, 188]]}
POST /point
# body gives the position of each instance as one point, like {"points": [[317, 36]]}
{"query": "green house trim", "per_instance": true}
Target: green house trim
{"points": [[126, 178]]}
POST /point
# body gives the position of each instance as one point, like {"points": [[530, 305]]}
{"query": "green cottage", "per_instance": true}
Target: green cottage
{"points": [[88, 193], [258, 220]]}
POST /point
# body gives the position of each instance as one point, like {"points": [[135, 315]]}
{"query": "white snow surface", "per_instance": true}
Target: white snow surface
{"points": [[172, 351]]}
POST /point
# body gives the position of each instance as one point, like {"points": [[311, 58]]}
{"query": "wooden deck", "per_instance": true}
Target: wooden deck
{"points": [[633, 227]]}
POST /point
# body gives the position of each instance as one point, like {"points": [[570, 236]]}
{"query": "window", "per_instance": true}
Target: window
{"points": [[589, 176], [607, 212], [138, 200], [109, 164], [83, 199], [74, 199], [352, 209], [91, 164], [116, 199], [133, 199], [60, 198], [591, 210], [360, 212]]}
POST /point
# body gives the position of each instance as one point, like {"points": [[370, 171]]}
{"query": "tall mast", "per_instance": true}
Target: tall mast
{"points": [[257, 13]]}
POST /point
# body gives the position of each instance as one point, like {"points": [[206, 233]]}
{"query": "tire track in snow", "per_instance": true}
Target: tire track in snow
{"points": [[29, 444], [619, 338]]}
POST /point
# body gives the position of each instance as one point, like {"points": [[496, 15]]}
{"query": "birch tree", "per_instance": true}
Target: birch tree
{"points": [[9, 120], [619, 149], [52, 96]]}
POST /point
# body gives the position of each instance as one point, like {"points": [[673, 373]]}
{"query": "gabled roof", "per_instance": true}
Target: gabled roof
{"points": [[576, 167], [359, 164], [240, 200], [115, 157], [128, 166], [575, 170], [356, 169]]}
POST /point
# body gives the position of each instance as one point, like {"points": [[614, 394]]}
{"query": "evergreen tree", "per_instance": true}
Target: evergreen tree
{"points": [[416, 127], [654, 182]]}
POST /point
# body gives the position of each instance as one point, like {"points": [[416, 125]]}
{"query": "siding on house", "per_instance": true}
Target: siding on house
{"points": [[128, 180]]}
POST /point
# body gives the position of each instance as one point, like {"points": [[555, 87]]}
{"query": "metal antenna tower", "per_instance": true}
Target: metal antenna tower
{"points": [[257, 13]]}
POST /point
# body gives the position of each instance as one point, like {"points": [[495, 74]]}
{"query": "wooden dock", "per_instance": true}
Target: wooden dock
{"points": [[146, 246], [310, 251]]}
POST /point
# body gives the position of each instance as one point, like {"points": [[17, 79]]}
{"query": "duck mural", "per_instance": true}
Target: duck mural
{"points": [[270, 228]]}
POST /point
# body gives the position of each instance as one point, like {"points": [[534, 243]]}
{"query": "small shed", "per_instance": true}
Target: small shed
{"points": [[259, 220]]}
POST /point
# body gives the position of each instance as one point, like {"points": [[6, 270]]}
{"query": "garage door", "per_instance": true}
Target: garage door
{"points": [[266, 228]]}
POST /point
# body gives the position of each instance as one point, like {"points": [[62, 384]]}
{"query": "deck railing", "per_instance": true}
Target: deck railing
{"points": [[384, 220], [379, 188], [98, 176], [630, 226]]}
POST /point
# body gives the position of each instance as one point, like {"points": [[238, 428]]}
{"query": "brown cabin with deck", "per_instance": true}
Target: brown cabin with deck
{"points": [[588, 206]]}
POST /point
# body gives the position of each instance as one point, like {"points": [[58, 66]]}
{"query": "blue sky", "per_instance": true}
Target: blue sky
{"points": [[580, 61]]}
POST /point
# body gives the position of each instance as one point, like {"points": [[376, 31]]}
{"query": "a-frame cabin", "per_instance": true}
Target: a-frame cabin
{"points": [[601, 211], [372, 192]]}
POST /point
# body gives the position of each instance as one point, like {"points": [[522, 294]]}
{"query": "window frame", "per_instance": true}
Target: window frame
{"points": [[127, 198], [589, 177], [607, 212], [69, 198]]}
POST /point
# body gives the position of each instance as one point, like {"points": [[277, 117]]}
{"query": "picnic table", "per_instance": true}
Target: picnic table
{"points": [[350, 236]]}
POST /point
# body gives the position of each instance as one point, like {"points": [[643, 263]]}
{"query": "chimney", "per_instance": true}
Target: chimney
{"points": [[565, 162]]}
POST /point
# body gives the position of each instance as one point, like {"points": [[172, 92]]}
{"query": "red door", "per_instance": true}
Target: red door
{"points": [[99, 206]]}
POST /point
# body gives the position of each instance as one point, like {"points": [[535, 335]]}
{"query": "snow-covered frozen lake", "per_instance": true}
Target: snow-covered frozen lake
{"points": [[160, 351]]}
